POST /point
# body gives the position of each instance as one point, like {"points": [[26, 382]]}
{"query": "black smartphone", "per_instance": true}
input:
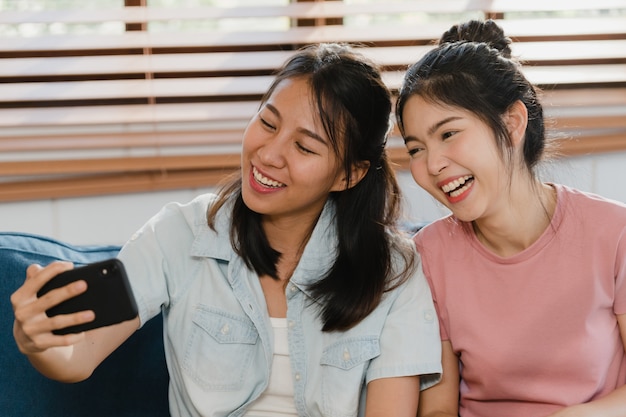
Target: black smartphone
{"points": [[108, 295]]}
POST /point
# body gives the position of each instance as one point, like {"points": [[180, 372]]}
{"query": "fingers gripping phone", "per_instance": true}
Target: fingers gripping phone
{"points": [[108, 295]]}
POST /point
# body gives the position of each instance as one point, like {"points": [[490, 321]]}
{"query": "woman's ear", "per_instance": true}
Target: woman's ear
{"points": [[358, 172], [516, 120]]}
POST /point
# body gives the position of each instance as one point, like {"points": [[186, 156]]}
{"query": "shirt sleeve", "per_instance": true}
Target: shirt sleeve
{"points": [[409, 342], [145, 257], [437, 295]]}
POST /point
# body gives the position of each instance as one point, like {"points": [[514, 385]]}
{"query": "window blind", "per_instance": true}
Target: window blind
{"points": [[147, 97]]}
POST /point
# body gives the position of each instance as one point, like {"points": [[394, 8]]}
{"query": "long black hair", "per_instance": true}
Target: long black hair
{"points": [[354, 107]]}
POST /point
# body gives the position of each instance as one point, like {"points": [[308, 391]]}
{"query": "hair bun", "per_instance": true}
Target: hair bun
{"points": [[481, 32]]}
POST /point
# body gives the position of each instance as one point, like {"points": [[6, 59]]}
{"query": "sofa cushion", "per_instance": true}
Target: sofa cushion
{"points": [[131, 382]]}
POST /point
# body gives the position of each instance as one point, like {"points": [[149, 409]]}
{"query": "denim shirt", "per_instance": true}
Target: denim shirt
{"points": [[217, 332]]}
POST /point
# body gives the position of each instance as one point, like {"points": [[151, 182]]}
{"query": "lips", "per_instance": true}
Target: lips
{"points": [[265, 181]]}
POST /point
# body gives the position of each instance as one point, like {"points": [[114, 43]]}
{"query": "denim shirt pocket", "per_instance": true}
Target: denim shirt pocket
{"points": [[220, 349], [344, 364]]}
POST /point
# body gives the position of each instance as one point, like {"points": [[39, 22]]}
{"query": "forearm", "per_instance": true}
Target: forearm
{"points": [[66, 358], [611, 405], [438, 414], [396, 397], [61, 363], [80, 354], [442, 399]]}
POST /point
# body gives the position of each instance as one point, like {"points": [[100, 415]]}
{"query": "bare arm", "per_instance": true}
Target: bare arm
{"points": [[67, 358], [396, 397], [442, 399], [612, 405]]}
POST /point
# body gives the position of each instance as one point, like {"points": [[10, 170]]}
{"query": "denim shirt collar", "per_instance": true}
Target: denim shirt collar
{"points": [[320, 251], [317, 258], [211, 243]]}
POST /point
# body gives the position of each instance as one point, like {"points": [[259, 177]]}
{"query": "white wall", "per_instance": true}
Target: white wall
{"points": [[109, 219], [112, 219]]}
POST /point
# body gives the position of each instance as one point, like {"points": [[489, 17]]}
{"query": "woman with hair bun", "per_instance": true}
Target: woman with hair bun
{"points": [[528, 277]]}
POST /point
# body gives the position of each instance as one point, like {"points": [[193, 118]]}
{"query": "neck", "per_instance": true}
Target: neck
{"points": [[289, 237], [520, 223]]}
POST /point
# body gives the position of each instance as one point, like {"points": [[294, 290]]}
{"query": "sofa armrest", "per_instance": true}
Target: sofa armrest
{"points": [[131, 382]]}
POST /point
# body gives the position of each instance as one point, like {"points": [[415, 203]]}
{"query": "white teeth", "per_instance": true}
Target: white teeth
{"points": [[264, 180], [460, 191], [453, 185]]}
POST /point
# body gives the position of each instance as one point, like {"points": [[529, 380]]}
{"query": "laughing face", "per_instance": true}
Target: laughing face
{"points": [[289, 166], [454, 157]]}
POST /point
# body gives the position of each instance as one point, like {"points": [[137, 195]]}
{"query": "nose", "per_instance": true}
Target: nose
{"points": [[436, 160], [272, 152]]}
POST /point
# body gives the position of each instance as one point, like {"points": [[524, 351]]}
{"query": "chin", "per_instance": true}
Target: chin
{"points": [[464, 216]]}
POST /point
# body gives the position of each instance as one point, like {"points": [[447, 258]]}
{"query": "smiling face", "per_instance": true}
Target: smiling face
{"points": [[289, 166], [454, 157]]}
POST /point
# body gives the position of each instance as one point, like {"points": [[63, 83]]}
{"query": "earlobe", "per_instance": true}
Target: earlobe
{"points": [[516, 121]]}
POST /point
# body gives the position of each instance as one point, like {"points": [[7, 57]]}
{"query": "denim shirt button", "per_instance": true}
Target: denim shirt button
{"points": [[346, 354], [291, 323], [297, 376], [225, 329], [429, 316]]}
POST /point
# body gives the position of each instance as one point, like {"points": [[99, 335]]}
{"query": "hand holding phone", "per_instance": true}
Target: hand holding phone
{"points": [[108, 295]]}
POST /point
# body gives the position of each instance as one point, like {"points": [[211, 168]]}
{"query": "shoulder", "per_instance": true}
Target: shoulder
{"points": [[596, 210], [573, 195], [175, 223], [192, 213]]}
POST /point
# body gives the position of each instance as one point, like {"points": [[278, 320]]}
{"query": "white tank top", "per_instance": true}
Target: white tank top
{"points": [[277, 399]]}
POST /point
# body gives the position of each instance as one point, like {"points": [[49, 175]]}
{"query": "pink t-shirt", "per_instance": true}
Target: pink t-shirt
{"points": [[536, 331]]}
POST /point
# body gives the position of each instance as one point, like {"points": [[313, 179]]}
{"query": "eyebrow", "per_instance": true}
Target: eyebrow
{"points": [[440, 123], [302, 130], [432, 129]]}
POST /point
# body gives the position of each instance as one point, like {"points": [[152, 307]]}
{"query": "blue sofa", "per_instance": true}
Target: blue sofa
{"points": [[131, 382]]}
